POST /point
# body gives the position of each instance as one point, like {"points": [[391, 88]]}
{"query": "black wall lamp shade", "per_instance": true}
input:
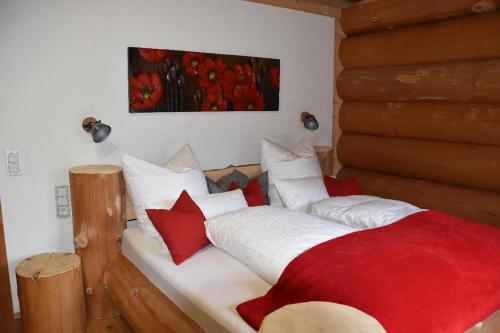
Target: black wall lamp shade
{"points": [[309, 120], [97, 129]]}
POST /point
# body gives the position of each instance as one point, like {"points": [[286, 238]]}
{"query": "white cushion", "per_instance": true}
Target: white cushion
{"points": [[281, 163], [363, 211], [298, 194], [213, 205], [184, 160], [148, 184]]}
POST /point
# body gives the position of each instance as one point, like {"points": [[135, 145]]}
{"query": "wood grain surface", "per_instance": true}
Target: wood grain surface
{"points": [[98, 222], [390, 14], [441, 121], [468, 38]]}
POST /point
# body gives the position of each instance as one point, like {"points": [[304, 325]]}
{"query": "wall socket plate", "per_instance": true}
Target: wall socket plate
{"points": [[13, 164], [63, 208]]}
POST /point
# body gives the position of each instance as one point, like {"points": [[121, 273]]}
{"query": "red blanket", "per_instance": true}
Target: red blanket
{"points": [[429, 272]]}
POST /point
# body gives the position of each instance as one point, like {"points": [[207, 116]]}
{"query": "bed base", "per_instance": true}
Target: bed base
{"points": [[145, 308]]}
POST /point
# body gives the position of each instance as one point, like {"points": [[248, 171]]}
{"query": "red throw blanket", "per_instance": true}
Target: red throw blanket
{"points": [[429, 272]]}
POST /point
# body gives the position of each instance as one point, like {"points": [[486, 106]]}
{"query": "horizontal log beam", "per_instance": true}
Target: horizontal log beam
{"points": [[453, 122], [462, 201], [304, 6], [145, 308], [471, 165], [389, 14], [473, 81], [463, 39]]}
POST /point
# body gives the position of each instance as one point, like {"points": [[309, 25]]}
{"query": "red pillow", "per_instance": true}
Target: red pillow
{"points": [[252, 192], [181, 227], [342, 187]]}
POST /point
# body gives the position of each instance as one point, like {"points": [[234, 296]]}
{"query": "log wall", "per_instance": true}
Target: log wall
{"points": [[420, 118]]}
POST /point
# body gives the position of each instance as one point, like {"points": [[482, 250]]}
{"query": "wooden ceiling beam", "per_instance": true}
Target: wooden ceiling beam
{"points": [[309, 6]]}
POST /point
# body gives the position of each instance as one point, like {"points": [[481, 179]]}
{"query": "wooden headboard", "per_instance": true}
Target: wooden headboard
{"points": [[420, 111], [251, 170]]}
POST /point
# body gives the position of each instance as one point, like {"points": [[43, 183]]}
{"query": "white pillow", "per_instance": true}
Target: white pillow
{"points": [[298, 194], [211, 205], [184, 160], [149, 183], [363, 211], [281, 163]]}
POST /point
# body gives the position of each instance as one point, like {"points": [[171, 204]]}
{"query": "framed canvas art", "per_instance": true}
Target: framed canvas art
{"points": [[184, 81]]}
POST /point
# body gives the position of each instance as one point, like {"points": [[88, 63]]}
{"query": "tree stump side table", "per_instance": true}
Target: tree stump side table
{"points": [[98, 222], [325, 158], [50, 289]]}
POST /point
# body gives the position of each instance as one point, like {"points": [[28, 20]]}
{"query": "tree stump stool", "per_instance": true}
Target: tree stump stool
{"points": [[50, 289], [98, 223]]}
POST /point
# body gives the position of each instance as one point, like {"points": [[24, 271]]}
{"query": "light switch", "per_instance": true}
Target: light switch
{"points": [[13, 161], [62, 191], [62, 201]]}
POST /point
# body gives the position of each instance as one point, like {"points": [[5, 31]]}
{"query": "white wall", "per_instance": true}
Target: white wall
{"points": [[63, 60]]}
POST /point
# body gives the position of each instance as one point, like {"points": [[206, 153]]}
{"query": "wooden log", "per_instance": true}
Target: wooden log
{"points": [[145, 308], [325, 158], [309, 6], [453, 122], [337, 101], [50, 289], [454, 163], [475, 81], [389, 14], [98, 223], [6, 309], [468, 38], [471, 203]]}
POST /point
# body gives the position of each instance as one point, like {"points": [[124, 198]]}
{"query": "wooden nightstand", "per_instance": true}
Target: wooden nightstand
{"points": [[50, 290], [325, 157], [98, 223]]}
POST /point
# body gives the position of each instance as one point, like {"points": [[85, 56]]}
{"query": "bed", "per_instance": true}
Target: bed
{"points": [[153, 294]]}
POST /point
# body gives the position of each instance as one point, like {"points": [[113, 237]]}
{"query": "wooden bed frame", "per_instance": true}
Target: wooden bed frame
{"points": [[145, 308]]}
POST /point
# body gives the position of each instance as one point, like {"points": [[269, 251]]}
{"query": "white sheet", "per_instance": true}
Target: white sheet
{"points": [[267, 238], [207, 287], [363, 211]]}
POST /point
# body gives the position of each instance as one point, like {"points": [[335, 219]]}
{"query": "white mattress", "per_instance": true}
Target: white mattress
{"points": [[207, 287]]}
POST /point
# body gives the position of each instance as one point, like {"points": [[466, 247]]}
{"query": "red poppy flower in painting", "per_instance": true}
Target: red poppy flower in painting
{"points": [[214, 102], [211, 74], [240, 75], [146, 90], [191, 61], [153, 56], [248, 98], [275, 76]]}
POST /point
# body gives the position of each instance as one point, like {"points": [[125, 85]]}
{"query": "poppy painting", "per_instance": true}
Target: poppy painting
{"points": [[183, 81]]}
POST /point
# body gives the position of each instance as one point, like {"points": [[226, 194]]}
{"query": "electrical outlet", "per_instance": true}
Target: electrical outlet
{"points": [[63, 209], [13, 163]]}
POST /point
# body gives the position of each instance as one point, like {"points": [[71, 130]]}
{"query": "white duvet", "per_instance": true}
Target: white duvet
{"points": [[267, 238], [362, 211]]}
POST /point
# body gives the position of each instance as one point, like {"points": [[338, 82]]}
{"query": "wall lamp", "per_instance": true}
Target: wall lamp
{"points": [[310, 122], [97, 129]]}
